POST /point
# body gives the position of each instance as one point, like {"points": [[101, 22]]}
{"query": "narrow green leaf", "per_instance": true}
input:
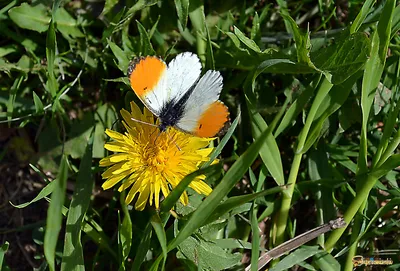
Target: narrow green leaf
{"points": [[389, 206], [144, 247], [391, 163], [270, 153], [330, 104], [246, 41], [47, 190], [255, 29], [52, 85], [303, 44], [67, 25], [158, 227], [109, 5], [198, 20], [372, 75], [326, 262], [361, 16], [30, 17], [73, 253], [295, 257], [3, 250], [208, 206], [210, 62], [255, 237], [182, 8], [234, 202], [125, 231], [123, 61], [54, 214], [145, 44], [297, 106], [13, 95], [38, 103], [175, 194]]}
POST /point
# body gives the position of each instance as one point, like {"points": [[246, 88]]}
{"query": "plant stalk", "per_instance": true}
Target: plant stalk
{"points": [[369, 182]]}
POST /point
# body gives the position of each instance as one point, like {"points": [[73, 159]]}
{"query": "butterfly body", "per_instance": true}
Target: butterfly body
{"points": [[177, 94]]}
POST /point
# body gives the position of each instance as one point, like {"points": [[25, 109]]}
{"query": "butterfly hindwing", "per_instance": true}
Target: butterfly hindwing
{"points": [[204, 115]]}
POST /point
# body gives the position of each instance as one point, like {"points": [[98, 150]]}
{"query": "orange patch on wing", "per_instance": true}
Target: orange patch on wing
{"points": [[145, 73], [212, 120]]}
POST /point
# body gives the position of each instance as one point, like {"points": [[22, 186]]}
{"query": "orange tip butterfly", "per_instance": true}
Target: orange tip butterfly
{"points": [[177, 94]]}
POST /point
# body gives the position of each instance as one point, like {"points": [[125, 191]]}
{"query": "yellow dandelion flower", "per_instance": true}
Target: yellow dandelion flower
{"points": [[149, 161]]}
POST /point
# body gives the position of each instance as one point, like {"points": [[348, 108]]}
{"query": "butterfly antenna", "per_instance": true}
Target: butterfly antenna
{"points": [[170, 139], [143, 122]]}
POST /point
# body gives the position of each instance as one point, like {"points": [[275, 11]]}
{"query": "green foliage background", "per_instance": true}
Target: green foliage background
{"points": [[313, 91]]}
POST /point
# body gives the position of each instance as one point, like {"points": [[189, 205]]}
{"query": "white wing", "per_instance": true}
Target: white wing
{"points": [[182, 73], [204, 115]]}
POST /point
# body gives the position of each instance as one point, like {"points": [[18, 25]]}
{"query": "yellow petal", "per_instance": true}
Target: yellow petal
{"points": [[200, 187], [112, 181], [114, 135], [109, 172], [135, 111], [143, 197], [116, 147], [133, 191], [115, 158]]}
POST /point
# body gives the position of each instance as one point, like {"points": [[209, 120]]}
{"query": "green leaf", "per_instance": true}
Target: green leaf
{"points": [[303, 44], [38, 103], [54, 214], [269, 152], [51, 45], [175, 194], [125, 231], [343, 58], [326, 262], [144, 247], [297, 106], [372, 75], [3, 250], [207, 254], [109, 5], [389, 206], [182, 8], [73, 253], [123, 61], [330, 104], [145, 44], [47, 190], [295, 257], [237, 201], [361, 16], [246, 41], [158, 227], [391, 163], [13, 95], [255, 237], [67, 25], [33, 18]]}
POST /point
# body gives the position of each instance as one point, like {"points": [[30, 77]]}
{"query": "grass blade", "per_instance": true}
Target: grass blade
{"points": [[372, 75], [54, 214], [73, 254]]}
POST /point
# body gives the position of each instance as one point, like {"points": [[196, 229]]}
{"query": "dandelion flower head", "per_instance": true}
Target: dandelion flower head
{"points": [[147, 161]]}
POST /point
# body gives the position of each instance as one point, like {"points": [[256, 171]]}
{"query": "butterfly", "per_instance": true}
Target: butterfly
{"points": [[178, 95]]}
